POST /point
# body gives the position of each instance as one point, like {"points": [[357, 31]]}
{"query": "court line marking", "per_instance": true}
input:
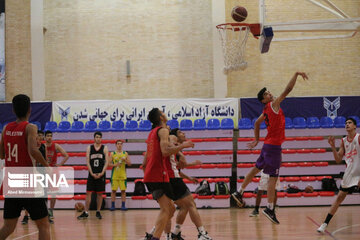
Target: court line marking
{"points": [[340, 229], [326, 231], [26, 235]]}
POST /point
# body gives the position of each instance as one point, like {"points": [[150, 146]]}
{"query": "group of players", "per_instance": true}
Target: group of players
{"points": [[162, 166]]}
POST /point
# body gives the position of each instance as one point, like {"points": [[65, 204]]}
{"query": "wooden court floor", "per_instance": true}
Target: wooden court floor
{"points": [[222, 224]]}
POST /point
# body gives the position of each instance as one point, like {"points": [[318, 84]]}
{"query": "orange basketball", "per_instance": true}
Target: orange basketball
{"points": [[79, 207], [309, 189], [239, 13]]}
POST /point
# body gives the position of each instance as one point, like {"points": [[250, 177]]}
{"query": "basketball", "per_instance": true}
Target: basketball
{"points": [[309, 189], [239, 13], [79, 207]]}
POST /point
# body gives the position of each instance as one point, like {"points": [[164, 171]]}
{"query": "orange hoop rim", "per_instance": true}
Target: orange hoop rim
{"points": [[254, 27]]}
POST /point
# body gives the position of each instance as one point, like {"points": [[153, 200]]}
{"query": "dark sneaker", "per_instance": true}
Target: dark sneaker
{"points": [[51, 214], [112, 208], [176, 236], [254, 213], [123, 209], [84, 215], [238, 199], [270, 214], [204, 236], [148, 236], [25, 220], [51, 221], [98, 215]]}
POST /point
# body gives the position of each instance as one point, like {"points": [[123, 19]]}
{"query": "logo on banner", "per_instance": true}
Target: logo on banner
{"points": [[64, 113], [331, 107]]}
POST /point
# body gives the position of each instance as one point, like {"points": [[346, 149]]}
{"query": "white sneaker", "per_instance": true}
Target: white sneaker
{"points": [[204, 236], [322, 228]]}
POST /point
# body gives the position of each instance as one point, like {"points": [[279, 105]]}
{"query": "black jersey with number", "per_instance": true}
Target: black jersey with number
{"points": [[97, 159]]}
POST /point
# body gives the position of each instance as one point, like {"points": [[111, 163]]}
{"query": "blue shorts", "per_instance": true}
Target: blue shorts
{"points": [[270, 159]]}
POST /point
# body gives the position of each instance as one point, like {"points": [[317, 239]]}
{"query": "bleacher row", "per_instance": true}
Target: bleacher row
{"points": [[306, 157]]}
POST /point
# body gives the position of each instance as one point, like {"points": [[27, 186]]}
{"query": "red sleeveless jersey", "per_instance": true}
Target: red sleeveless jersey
{"points": [[275, 123], [155, 170], [16, 147], [51, 155]]}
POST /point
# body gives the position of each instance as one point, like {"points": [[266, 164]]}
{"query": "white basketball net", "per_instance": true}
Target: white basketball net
{"points": [[233, 42]]}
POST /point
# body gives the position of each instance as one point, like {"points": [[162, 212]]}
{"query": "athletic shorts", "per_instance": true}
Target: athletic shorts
{"points": [[270, 159], [264, 180], [95, 185], [350, 190], [118, 183], [158, 189], [35, 206], [179, 188]]}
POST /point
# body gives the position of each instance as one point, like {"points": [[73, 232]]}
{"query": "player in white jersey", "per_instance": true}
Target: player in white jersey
{"points": [[349, 148]]}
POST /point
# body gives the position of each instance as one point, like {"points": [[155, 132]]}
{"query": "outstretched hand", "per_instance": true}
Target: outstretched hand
{"points": [[331, 141], [303, 75], [252, 144]]}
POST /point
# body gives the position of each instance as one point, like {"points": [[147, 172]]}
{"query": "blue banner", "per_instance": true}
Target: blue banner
{"points": [[40, 112], [306, 107]]}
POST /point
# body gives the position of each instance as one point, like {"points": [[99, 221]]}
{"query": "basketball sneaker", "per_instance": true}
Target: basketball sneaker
{"points": [[148, 236], [51, 221], [112, 208], [238, 199], [176, 236], [322, 228], [204, 236], [25, 220], [254, 213], [270, 214], [123, 208], [51, 214], [84, 215], [98, 215]]}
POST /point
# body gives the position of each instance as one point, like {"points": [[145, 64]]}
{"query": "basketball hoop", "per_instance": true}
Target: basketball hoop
{"points": [[233, 38]]}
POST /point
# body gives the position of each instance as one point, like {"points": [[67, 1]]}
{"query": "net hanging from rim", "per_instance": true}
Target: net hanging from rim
{"points": [[233, 37]]}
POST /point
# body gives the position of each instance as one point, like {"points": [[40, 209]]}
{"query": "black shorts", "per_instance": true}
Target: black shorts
{"points": [[179, 188], [95, 185], [350, 190], [35, 206], [158, 189]]}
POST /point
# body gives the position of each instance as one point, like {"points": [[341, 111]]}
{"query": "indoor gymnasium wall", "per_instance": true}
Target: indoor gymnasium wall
{"points": [[168, 43], [18, 48], [332, 65]]}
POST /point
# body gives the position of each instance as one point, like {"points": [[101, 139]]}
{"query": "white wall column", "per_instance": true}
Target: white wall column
{"points": [[37, 50], [220, 79]]}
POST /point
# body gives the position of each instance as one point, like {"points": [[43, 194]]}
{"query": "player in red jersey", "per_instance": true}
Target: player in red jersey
{"points": [[156, 176], [270, 156], [18, 146], [52, 149]]}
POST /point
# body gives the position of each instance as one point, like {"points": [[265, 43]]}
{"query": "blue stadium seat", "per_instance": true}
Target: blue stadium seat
{"points": [[313, 122], [262, 125], [51, 126], [90, 126], [326, 122], [245, 123], [145, 125], [104, 126], [199, 124], [117, 126], [131, 126], [357, 119], [64, 126], [1, 127], [227, 123], [186, 124], [339, 122], [38, 124], [213, 124], [77, 126], [288, 123], [173, 123], [299, 123]]}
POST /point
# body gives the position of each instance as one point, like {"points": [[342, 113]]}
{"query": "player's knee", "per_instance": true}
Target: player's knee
{"points": [[172, 210]]}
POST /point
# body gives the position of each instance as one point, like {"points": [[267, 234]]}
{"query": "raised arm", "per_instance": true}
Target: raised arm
{"points": [[338, 155], [288, 89], [63, 153], [31, 134], [258, 121], [166, 148]]}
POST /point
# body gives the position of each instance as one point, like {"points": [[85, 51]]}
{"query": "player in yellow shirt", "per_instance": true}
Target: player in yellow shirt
{"points": [[118, 161]]}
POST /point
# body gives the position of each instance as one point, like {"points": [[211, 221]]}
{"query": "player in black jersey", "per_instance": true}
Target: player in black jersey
{"points": [[96, 159]]}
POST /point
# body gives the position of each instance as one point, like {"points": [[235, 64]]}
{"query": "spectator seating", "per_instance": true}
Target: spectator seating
{"points": [[145, 125], [326, 122], [173, 123], [77, 126], [288, 123], [38, 124], [245, 123], [339, 122], [313, 122], [51, 125], [104, 126], [357, 119], [227, 123], [262, 125], [64, 126], [131, 126], [186, 124], [213, 124], [199, 124], [90, 126], [299, 122], [117, 126]]}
